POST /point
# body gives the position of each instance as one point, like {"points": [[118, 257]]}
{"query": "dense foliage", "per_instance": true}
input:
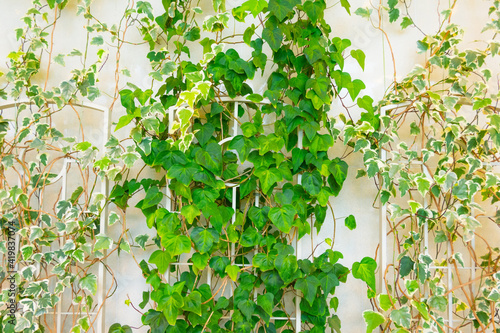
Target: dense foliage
{"points": [[247, 173], [438, 177], [237, 176]]}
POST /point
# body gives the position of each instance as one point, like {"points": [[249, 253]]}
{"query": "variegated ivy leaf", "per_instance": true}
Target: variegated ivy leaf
{"points": [[130, 158], [79, 255], [27, 251], [459, 258], [113, 218], [103, 242], [68, 246], [84, 322], [124, 245], [141, 240], [402, 317], [22, 323], [28, 272], [62, 207], [89, 283]]}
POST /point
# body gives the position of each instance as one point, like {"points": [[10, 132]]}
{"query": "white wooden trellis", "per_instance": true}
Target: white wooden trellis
{"points": [[99, 325], [234, 187], [383, 236]]}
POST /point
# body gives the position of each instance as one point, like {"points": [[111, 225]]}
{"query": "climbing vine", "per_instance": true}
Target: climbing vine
{"points": [[227, 151], [246, 173], [52, 177], [438, 177]]}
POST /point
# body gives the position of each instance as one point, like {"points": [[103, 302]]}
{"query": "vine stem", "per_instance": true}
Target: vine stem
{"points": [[118, 57], [51, 48]]}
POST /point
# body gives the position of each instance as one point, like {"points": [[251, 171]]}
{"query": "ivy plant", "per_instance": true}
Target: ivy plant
{"points": [[52, 210], [241, 177], [239, 199], [439, 181]]}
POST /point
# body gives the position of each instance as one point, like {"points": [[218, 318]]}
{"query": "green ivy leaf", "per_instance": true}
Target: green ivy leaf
{"points": [[272, 142], [406, 22], [268, 177], [385, 301], [393, 15], [422, 309], [200, 261], [232, 271], [204, 239], [265, 301], [314, 10], [287, 267], [273, 37], [250, 237], [190, 212], [338, 169], [364, 12], [272, 281], [124, 121], [193, 34], [27, 251], [310, 129], [255, 6], [171, 306], [183, 173], [242, 145], [360, 57], [161, 259], [263, 261], [177, 245], [153, 197], [328, 282], [372, 320], [168, 67], [211, 158], [309, 287], [365, 271], [365, 102], [192, 302], [346, 5], [354, 88], [117, 328], [205, 133], [241, 66], [423, 185], [406, 265], [283, 217], [438, 302], [281, 8], [350, 222], [247, 307], [259, 216], [248, 186], [219, 264], [314, 53], [321, 142], [312, 182]]}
